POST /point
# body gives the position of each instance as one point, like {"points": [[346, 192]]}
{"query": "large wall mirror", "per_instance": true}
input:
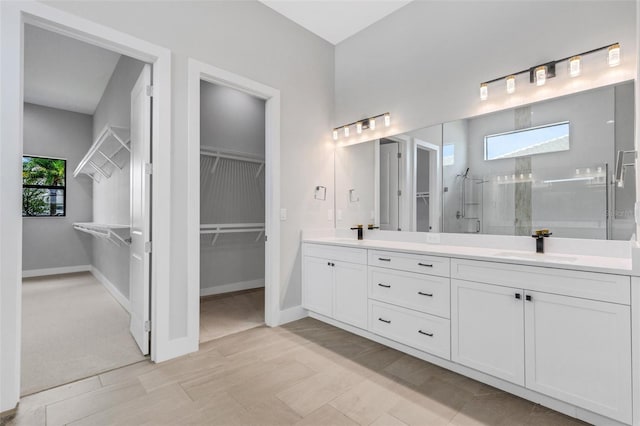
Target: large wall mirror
{"points": [[549, 165]]}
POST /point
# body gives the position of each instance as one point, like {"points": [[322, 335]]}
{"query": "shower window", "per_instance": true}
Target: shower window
{"points": [[531, 141], [43, 186]]}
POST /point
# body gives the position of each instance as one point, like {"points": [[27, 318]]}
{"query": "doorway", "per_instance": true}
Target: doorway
{"points": [[200, 73], [85, 208], [232, 211]]}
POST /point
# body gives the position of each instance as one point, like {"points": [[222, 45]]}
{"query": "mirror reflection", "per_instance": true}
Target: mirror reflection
{"points": [[546, 165]]}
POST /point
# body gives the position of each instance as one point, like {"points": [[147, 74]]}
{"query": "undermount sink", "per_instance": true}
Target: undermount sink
{"points": [[537, 256]]}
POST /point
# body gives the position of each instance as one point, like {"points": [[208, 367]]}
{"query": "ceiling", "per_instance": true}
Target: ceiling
{"points": [[64, 73], [334, 20]]}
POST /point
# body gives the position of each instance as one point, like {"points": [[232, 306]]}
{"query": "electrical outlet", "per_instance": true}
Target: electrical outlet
{"points": [[283, 214], [433, 238]]}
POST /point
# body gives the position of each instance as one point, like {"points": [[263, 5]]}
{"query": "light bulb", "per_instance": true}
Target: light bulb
{"points": [[484, 92], [372, 123], [575, 66], [335, 134], [346, 131], [511, 84], [541, 75], [614, 55], [358, 127], [387, 120]]}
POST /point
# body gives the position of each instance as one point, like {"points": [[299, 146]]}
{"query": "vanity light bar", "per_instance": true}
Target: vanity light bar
{"points": [[539, 74], [365, 123]]}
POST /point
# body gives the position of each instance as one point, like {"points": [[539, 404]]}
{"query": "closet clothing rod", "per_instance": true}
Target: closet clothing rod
{"points": [[231, 156], [230, 225]]}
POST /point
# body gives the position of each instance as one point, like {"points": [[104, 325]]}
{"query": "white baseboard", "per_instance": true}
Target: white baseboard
{"points": [[120, 298], [55, 271], [228, 288], [292, 314]]}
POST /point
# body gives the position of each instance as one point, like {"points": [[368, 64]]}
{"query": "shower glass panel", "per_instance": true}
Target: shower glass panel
{"points": [[571, 203]]}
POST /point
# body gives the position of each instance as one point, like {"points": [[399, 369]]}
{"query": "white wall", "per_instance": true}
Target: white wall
{"points": [[425, 62], [250, 39], [231, 120], [111, 197], [51, 242]]}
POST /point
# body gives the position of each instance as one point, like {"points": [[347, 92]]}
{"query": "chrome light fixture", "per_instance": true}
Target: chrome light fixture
{"points": [[360, 125], [539, 74]]}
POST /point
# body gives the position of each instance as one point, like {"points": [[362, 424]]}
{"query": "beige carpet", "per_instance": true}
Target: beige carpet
{"points": [[71, 328], [230, 313]]}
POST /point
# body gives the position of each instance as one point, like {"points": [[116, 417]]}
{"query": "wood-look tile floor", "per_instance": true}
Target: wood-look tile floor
{"points": [[304, 373], [230, 313]]}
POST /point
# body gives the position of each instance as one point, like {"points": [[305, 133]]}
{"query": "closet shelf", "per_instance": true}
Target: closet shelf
{"points": [[216, 229], [102, 158], [231, 155], [117, 234]]}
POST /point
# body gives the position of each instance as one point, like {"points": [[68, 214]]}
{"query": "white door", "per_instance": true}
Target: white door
{"points": [[487, 329], [317, 292], [389, 170], [139, 272], [350, 293], [579, 351]]}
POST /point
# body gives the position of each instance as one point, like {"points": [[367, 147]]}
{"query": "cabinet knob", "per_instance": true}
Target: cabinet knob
{"points": [[528, 298], [518, 296], [384, 285], [425, 294], [428, 265], [384, 320], [425, 333]]}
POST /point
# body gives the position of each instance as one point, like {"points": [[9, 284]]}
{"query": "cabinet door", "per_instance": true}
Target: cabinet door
{"points": [[487, 329], [579, 351], [350, 293], [317, 295]]}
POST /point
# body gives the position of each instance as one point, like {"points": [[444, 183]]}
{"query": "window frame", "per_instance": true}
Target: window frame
{"points": [[63, 188], [544, 126]]}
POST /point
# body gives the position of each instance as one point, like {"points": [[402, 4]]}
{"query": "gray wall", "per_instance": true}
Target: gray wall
{"points": [[250, 39], [232, 121], [51, 242], [111, 196]]}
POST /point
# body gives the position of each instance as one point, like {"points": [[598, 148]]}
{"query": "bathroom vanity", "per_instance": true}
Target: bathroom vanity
{"points": [[553, 328]]}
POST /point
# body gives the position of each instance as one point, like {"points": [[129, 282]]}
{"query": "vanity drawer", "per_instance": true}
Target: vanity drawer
{"points": [[425, 293], [345, 254], [586, 285], [421, 331], [423, 264]]}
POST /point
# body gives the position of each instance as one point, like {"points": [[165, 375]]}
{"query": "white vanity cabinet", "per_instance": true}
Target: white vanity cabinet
{"points": [[579, 351], [335, 283], [573, 349], [487, 329], [558, 336]]}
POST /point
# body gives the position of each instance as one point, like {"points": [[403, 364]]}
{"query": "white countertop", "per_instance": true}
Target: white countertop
{"points": [[610, 265]]}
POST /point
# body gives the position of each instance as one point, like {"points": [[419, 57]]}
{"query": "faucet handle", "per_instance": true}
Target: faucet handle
{"points": [[541, 233]]}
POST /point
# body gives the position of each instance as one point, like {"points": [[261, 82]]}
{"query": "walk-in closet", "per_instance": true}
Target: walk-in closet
{"points": [[84, 211], [232, 211]]}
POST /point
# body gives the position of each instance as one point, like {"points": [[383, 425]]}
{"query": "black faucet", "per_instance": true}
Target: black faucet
{"points": [[540, 235], [360, 231]]}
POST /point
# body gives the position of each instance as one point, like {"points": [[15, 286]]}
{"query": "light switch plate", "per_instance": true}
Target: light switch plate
{"points": [[339, 214], [283, 214], [433, 238]]}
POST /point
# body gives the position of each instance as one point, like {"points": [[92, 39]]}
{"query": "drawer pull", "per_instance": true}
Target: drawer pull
{"points": [[425, 294], [428, 265], [384, 259], [384, 285], [384, 320], [425, 333]]}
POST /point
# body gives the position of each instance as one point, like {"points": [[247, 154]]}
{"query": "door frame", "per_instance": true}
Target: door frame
{"points": [[200, 71], [13, 17], [435, 183]]}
